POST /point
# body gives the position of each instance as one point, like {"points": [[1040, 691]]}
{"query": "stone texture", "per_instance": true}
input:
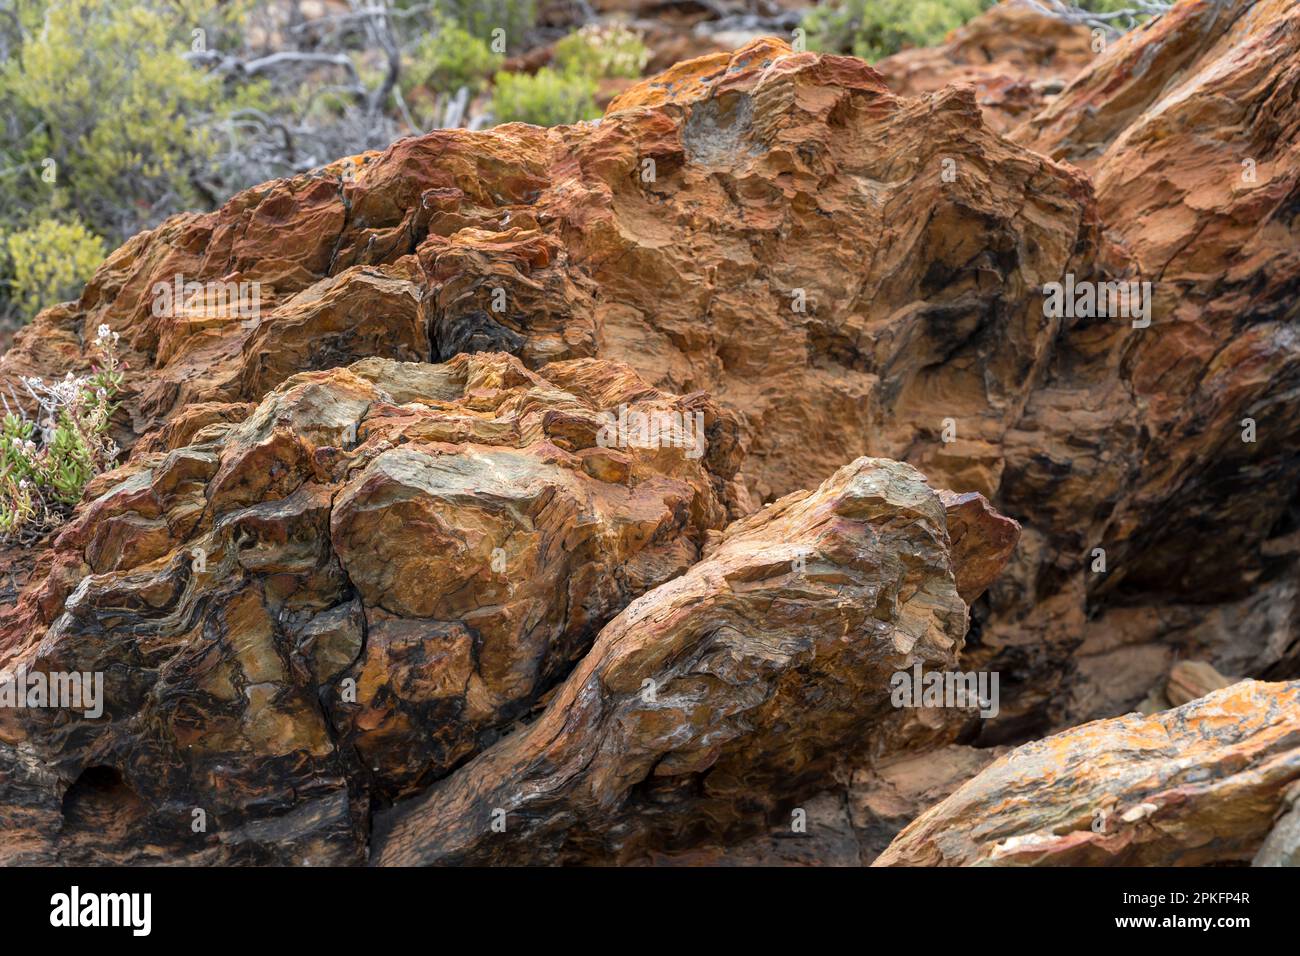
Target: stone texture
{"points": [[357, 587], [888, 794], [824, 260], [1017, 55], [1138, 433], [1187, 681], [1282, 845], [709, 705], [1186, 787], [798, 255], [765, 161]]}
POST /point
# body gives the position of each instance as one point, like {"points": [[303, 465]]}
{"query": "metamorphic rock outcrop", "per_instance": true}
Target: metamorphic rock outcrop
{"points": [[382, 579]]}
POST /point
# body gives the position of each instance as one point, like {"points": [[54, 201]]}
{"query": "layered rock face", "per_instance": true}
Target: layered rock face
{"points": [[1015, 55], [1173, 446], [1199, 784], [355, 588], [382, 568], [718, 700], [773, 227], [386, 552]]}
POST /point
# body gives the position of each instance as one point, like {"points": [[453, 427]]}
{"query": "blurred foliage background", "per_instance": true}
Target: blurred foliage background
{"points": [[872, 29], [118, 113]]}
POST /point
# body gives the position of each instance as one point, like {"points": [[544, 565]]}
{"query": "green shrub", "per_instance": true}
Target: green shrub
{"points": [[1104, 6], [481, 17], [46, 462], [1114, 6], [872, 29], [566, 93], [548, 98], [103, 89], [602, 51], [450, 57], [105, 129], [50, 262]]}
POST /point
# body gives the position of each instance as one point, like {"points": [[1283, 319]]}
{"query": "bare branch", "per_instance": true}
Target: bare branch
{"points": [[229, 64], [360, 15], [1103, 21]]}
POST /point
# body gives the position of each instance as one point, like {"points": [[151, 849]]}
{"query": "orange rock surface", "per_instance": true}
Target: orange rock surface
{"points": [[369, 554], [1196, 785]]}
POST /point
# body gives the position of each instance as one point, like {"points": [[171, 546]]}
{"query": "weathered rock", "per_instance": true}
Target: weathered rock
{"points": [[1018, 55], [343, 596], [774, 228], [757, 264], [1171, 447], [360, 312], [1187, 681], [710, 704], [846, 271], [1282, 845], [1192, 786], [825, 837], [853, 824], [982, 541], [888, 794]]}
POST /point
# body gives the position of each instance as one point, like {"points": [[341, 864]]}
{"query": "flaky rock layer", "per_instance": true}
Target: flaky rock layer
{"points": [[716, 701], [1196, 785], [346, 594], [383, 545]]}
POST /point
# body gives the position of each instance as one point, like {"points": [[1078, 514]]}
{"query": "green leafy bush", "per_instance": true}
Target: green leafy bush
{"points": [[872, 29], [548, 98], [450, 57], [105, 125], [50, 262], [46, 462], [566, 92], [481, 17], [104, 90], [1104, 6], [602, 51]]}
